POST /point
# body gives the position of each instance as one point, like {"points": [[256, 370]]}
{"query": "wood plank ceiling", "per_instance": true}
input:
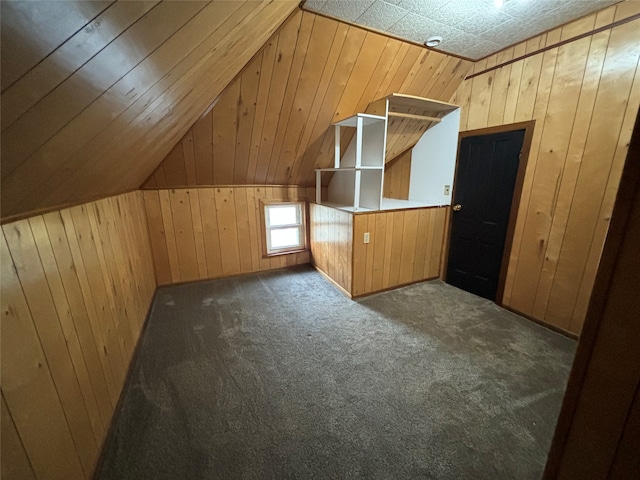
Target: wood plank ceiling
{"points": [[95, 94], [272, 123]]}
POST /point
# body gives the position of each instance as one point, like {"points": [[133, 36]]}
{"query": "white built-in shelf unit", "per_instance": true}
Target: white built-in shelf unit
{"points": [[392, 125]]}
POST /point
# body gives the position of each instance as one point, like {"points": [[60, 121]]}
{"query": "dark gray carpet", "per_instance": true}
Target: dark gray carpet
{"points": [[278, 375]]}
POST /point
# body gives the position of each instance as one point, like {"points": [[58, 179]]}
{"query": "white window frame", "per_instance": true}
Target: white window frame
{"points": [[301, 225]]}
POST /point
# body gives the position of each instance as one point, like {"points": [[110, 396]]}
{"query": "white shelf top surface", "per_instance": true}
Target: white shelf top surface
{"points": [[343, 169], [386, 204], [411, 101], [395, 204], [346, 208], [367, 119]]}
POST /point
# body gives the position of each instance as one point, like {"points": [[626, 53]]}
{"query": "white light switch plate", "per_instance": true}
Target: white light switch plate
{"points": [[447, 189], [366, 237]]}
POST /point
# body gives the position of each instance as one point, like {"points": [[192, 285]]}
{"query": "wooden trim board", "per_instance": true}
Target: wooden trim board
{"points": [[549, 47], [333, 282]]}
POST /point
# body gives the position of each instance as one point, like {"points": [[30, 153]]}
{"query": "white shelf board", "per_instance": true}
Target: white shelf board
{"points": [[346, 169], [367, 119], [346, 208], [411, 101], [395, 204]]}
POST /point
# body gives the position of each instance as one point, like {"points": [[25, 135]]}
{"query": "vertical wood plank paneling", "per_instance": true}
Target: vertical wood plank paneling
{"points": [[373, 233], [249, 84], [119, 330], [331, 243], [268, 58], [396, 177], [397, 237], [311, 130], [203, 233], [378, 252], [63, 310], [421, 251], [498, 92], [556, 132], [271, 124], [601, 229], [203, 150], [292, 82], [409, 241], [242, 226], [198, 234], [189, 154], [226, 210], [255, 228], [207, 202], [184, 234], [360, 249], [157, 237], [315, 62], [97, 317], [571, 170], [405, 246], [90, 341], [28, 386], [618, 75], [14, 462], [73, 305], [287, 40], [169, 234], [38, 295], [583, 99]]}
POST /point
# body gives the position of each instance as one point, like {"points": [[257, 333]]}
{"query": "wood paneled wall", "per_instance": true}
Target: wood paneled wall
{"points": [[332, 243], [584, 96], [397, 174], [598, 431], [272, 123], [404, 246], [96, 94], [202, 233], [76, 287]]}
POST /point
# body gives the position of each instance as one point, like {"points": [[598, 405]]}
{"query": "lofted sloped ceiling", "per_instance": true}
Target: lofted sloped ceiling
{"points": [[272, 124], [96, 94]]}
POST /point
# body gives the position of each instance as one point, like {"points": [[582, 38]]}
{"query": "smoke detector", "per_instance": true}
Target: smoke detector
{"points": [[433, 41]]}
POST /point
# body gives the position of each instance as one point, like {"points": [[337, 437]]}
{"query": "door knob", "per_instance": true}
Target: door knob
{"points": [[457, 207]]}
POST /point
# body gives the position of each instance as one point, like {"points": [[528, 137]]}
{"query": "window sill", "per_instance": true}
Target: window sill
{"points": [[286, 252]]}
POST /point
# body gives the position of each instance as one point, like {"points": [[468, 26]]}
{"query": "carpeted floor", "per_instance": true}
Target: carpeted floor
{"points": [[278, 375]]}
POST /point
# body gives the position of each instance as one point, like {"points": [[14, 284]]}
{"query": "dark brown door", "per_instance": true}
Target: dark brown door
{"points": [[485, 180]]}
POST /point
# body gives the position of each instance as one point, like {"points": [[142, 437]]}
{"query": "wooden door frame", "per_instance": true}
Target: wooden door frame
{"points": [[528, 127]]}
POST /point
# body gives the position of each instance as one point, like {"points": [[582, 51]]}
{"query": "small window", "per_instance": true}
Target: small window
{"points": [[284, 226]]}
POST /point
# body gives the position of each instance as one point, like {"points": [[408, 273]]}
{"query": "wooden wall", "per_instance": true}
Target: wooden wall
{"points": [[272, 123], [76, 287], [404, 246], [202, 233], [598, 431], [332, 243], [96, 94], [397, 175], [584, 96]]}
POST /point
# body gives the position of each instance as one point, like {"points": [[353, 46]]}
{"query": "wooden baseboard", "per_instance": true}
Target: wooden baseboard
{"points": [[542, 323], [394, 287], [338, 286], [223, 277]]}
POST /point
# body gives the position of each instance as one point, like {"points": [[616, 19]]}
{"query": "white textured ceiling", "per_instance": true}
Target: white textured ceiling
{"points": [[470, 28]]}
